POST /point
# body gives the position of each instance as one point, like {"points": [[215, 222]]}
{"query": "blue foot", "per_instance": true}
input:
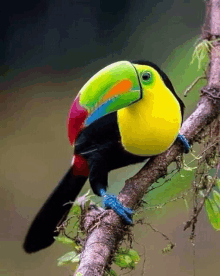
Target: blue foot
{"points": [[184, 141], [111, 202]]}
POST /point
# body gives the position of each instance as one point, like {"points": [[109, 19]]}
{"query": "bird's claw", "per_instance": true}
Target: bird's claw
{"points": [[111, 202], [184, 141]]}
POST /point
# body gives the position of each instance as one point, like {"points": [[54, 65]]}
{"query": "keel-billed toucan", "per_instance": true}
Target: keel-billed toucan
{"points": [[124, 114]]}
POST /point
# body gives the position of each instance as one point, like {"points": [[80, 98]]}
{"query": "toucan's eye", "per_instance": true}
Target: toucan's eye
{"points": [[146, 76]]}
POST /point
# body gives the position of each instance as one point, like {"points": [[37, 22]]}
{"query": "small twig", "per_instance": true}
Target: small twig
{"points": [[98, 221], [212, 145], [198, 210], [211, 92], [190, 87], [182, 196], [174, 172], [164, 235]]}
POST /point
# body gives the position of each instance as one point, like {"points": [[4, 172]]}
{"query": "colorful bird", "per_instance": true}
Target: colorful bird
{"points": [[123, 115]]}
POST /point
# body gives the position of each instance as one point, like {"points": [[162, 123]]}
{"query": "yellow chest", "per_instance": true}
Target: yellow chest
{"points": [[151, 125]]}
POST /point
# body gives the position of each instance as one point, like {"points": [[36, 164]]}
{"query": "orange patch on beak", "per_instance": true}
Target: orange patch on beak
{"points": [[120, 88]]}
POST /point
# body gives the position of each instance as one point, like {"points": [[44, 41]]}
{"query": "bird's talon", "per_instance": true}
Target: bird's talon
{"points": [[184, 141], [111, 202]]}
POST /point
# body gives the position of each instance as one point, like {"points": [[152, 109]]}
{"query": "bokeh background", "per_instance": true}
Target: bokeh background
{"points": [[49, 49]]}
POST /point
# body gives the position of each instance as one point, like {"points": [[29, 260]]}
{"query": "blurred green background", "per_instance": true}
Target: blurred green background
{"points": [[49, 49]]}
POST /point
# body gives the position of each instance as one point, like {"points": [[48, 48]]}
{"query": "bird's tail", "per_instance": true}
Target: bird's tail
{"points": [[53, 212]]}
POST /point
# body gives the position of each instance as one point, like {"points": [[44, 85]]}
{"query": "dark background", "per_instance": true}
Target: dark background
{"points": [[49, 49]]}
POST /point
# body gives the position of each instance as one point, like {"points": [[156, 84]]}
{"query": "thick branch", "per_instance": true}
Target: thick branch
{"points": [[103, 238]]}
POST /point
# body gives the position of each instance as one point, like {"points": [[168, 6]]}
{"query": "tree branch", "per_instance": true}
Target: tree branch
{"points": [[105, 235]]}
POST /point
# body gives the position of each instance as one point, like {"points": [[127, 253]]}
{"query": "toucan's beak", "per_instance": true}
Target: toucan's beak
{"points": [[114, 87]]}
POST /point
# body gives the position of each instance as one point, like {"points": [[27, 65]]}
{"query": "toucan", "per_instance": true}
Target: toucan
{"points": [[125, 114]]}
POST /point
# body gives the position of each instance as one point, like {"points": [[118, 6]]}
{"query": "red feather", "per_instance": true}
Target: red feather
{"points": [[80, 165], [75, 121]]}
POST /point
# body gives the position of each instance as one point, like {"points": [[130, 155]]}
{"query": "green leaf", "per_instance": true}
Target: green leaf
{"points": [[134, 256], [111, 272], [201, 51], [216, 196], [168, 248], [75, 210], [126, 258], [123, 261], [218, 183], [65, 240], [69, 258], [213, 213]]}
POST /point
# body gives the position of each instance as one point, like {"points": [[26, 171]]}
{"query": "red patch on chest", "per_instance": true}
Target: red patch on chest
{"points": [[80, 165]]}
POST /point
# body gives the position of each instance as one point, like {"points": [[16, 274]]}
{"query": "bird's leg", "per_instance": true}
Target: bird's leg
{"points": [[184, 141], [99, 182]]}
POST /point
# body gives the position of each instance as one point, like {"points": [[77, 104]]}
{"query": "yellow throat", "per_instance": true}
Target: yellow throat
{"points": [[151, 125]]}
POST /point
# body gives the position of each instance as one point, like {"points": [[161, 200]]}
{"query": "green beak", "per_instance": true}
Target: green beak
{"points": [[114, 87]]}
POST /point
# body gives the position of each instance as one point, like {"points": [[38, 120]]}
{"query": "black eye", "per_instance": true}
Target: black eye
{"points": [[146, 76]]}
